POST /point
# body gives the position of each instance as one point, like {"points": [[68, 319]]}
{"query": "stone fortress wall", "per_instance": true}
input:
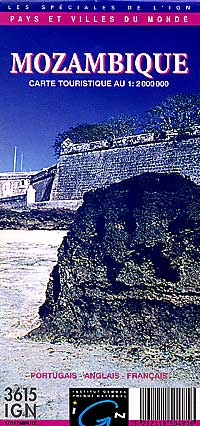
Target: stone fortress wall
{"points": [[42, 183], [87, 166], [24, 189]]}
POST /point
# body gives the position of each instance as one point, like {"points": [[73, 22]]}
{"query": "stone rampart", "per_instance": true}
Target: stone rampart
{"points": [[42, 183], [13, 203], [88, 166], [100, 166], [15, 187]]}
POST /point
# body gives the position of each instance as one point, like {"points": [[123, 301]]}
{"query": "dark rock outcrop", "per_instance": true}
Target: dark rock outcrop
{"points": [[128, 271]]}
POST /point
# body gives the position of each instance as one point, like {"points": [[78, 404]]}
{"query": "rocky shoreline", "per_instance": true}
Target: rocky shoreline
{"points": [[52, 219]]}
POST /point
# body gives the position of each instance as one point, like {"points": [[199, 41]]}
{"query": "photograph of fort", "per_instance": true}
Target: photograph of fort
{"points": [[86, 166], [100, 247]]}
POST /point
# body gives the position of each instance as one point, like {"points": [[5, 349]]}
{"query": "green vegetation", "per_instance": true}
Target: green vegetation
{"points": [[179, 114]]}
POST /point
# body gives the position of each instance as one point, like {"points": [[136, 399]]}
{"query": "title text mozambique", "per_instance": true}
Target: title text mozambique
{"points": [[103, 63]]}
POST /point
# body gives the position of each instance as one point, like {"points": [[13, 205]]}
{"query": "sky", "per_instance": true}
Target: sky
{"points": [[32, 117]]}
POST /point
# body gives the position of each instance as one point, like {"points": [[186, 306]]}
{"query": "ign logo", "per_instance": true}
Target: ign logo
{"points": [[98, 407]]}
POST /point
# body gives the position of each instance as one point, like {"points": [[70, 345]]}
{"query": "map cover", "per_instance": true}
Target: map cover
{"points": [[99, 213]]}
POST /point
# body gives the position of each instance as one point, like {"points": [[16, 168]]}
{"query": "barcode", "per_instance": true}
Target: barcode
{"points": [[168, 404]]}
